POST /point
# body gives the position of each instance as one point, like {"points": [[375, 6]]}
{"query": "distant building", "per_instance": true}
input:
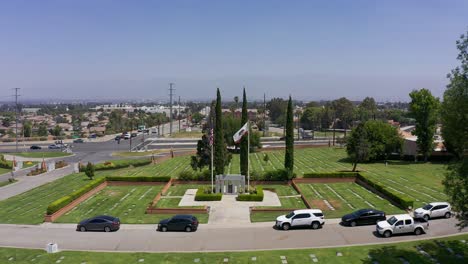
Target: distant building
{"points": [[252, 113]]}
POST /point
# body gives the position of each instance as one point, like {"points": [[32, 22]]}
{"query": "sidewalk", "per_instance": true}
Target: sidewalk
{"points": [[27, 183]]}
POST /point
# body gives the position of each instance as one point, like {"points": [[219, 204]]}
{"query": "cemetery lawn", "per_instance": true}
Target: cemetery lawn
{"points": [[338, 199], [5, 183], [289, 198], [389, 253], [46, 154]]}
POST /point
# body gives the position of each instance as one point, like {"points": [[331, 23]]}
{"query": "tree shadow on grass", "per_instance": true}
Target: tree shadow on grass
{"points": [[432, 252]]}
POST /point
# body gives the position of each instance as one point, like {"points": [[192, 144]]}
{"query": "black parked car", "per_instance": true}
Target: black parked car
{"points": [[35, 147], [187, 223], [78, 140], [99, 223], [363, 217]]}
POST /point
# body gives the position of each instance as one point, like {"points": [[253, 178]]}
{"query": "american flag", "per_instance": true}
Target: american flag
{"points": [[211, 137]]}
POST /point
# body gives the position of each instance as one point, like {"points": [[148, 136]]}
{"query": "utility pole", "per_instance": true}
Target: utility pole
{"points": [[16, 116], [171, 93], [264, 114], [178, 114]]}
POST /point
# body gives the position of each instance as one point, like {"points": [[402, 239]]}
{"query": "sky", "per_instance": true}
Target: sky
{"points": [[311, 50]]}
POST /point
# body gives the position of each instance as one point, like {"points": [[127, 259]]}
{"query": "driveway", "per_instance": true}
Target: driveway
{"points": [[257, 236]]}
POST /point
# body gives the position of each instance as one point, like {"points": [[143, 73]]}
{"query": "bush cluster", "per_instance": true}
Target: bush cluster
{"points": [[403, 200], [255, 195], [278, 175], [119, 164], [338, 174], [36, 171], [64, 201], [205, 194], [4, 163], [191, 175], [60, 164]]}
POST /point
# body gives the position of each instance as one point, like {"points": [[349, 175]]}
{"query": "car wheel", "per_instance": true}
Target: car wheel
{"points": [[188, 229], [83, 229], [353, 223], [418, 231], [448, 214], [315, 225], [286, 227], [426, 217], [163, 229], [107, 229], [387, 234]]}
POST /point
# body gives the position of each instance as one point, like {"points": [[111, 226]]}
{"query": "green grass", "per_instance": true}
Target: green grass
{"points": [[180, 189], [389, 253], [139, 154], [349, 197], [170, 202], [5, 183], [287, 203], [126, 202], [47, 154]]}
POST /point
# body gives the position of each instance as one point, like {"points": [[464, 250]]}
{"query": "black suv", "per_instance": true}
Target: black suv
{"points": [[187, 223], [363, 217]]}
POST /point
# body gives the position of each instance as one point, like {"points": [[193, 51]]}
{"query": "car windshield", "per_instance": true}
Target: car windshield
{"points": [[427, 207], [392, 220], [291, 214]]}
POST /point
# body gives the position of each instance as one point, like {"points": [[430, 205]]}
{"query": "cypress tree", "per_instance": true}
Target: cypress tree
{"points": [[289, 153], [219, 145], [244, 151]]}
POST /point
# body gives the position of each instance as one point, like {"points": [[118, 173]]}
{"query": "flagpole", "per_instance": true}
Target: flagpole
{"points": [[248, 155]]}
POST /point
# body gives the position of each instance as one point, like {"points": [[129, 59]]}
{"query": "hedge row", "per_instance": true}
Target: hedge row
{"points": [[119, 164], [337, 174], [202, 196], [64, 201], [138, 179], [403, 200], [252, 197]]}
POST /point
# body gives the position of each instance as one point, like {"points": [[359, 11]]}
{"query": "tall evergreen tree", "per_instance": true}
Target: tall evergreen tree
{"points": [[219, 146], [244, 148], [289, 153]]}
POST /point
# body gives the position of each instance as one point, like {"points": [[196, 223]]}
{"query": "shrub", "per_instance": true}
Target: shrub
{"points": [[255, 195], [204, 195], [60, 164], [278, 175], [4, 163], [190, 175], [89, 170], [64, 201], [37, 171], [42, 139], [119, 164], [401, 199], [338, 174], [138, 179], [186, 175]]}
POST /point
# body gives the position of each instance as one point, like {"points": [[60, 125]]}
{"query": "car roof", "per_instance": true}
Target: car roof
{"points": [[183, 216], [439, 203], [107, 217], [311, 211], [402, 216]]}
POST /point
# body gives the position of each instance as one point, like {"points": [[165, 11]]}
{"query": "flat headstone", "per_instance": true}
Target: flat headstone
{"points": [[315, 259], [62, 257], [254, 258], [226, 260], [282, 257], [33, 259], [463, 241], [284, 261], [10, 259], [196, 260], [141, 260], [339, 254], [83, 262], [58, 261], [312, 255]]}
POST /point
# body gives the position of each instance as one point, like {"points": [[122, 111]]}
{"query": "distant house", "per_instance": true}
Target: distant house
{"points": [[252, 113], [98, 130], [410, 148]]}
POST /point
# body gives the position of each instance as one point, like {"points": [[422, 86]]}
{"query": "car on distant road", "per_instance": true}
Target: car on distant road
{"points": [[401, 224], [54, 146], [104, 223], [187, 223], [35, 147], [363, 217], [301, 218], [127, 136], [434, 210], [118, 137], [134, 135], [78, 140]]}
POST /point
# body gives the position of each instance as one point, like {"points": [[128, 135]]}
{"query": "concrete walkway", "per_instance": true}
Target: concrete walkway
{"points": [[27, 183], [228, 211]]}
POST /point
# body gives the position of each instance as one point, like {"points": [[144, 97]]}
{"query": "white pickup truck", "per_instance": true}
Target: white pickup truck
{"points": [[401, 224]]}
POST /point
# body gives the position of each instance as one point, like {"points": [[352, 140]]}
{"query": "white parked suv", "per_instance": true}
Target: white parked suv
{"points": [[301, 218], [434, 210]]}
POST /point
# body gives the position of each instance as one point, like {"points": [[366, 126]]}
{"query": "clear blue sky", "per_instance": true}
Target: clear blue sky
{"points": [[310, 49]]}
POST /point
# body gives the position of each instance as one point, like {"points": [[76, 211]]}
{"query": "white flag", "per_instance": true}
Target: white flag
{"points": [[239, 134]]}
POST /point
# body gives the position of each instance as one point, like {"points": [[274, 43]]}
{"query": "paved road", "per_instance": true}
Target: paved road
{"points": [[208, 238]]}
